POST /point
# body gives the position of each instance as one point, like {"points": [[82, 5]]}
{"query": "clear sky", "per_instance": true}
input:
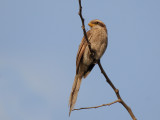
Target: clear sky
{"points": [[39, 40]]}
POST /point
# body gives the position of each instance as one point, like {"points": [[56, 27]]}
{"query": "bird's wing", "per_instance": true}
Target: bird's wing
{"points": [[81, 50]]}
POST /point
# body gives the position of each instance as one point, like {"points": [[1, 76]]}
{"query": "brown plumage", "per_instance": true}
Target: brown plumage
{"points": [[98, 38]]}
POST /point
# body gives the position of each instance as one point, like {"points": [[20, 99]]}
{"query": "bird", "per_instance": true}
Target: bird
{"points": [[98, 38]]}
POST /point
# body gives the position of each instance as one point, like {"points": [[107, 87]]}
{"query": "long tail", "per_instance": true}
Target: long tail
{"points": [[74, 92]]}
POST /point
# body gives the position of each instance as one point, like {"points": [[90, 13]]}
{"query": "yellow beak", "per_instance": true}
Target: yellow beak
{"points": [[91, 25]]}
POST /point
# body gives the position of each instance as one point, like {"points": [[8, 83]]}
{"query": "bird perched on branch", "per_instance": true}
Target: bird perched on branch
{"points": [[97, 36]]}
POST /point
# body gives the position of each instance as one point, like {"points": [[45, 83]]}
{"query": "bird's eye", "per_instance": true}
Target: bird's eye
{"points": [[97, 22]]}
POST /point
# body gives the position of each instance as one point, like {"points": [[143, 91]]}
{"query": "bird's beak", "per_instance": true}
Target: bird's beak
{"points": [[90, 24]]}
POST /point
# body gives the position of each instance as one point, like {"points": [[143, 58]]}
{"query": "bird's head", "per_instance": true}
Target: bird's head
{"points": [[96, 22]]}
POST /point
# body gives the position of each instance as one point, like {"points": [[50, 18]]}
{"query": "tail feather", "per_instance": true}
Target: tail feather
{"points": [[74, 92]]}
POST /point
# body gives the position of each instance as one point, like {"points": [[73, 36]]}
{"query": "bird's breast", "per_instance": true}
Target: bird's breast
{"points": [[98, 40]]}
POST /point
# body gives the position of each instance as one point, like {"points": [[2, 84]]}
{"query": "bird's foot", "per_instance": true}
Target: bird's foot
{"points": [[93, 53]]}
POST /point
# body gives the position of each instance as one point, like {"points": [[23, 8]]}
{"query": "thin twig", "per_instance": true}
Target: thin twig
{"points": [[99, 105], [103, 72], [84, 30]]}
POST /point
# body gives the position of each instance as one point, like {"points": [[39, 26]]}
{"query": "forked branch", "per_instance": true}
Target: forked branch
{"points": [[116, 91], [104, 73]]}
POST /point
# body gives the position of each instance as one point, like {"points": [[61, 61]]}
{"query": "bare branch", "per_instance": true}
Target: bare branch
{"points": [[116, 91], [99, 105], [84, 30]]}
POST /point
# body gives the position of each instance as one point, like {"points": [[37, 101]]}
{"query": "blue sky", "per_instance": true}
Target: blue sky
{"points": [[38, 45]]}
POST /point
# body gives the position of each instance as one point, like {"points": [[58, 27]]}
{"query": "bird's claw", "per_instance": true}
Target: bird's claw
{"points": [[92, 55]]}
